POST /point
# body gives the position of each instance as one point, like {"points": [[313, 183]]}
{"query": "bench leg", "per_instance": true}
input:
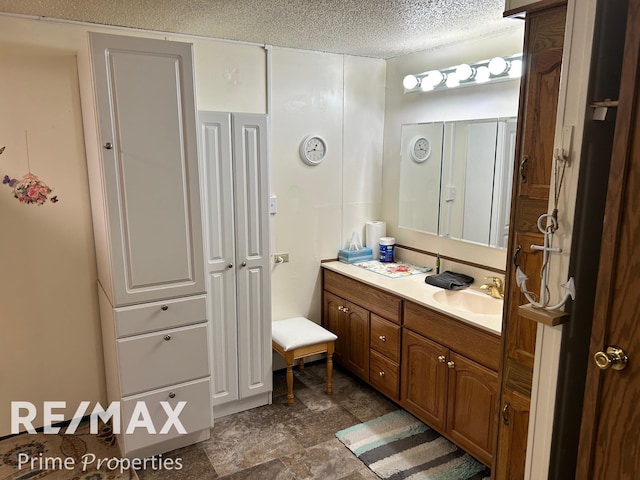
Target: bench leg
{"points": [[330, 347], [289, 360]]}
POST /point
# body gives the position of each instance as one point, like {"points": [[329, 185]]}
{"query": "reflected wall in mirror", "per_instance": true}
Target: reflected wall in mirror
{"points": [[463, 189]]}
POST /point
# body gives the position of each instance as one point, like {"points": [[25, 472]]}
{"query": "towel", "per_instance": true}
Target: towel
{"points": [[449, 280]]}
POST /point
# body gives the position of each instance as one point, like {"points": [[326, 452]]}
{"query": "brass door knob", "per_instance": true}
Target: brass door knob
{"points": [[614, 357]]}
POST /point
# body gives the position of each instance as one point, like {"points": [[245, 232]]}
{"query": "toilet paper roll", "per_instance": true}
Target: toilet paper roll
{"points": [[373, 231]]}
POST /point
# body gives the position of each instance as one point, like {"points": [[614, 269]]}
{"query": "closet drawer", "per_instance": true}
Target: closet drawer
{"points": [[159, 359], [196, 414], [384, 375], [385, 337], [151, 317]]}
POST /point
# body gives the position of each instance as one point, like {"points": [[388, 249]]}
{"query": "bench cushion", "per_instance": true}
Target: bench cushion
{"points": [[299, 332]]}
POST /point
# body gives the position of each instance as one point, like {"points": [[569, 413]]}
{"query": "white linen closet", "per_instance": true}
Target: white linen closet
{"points": [[235, 185]]}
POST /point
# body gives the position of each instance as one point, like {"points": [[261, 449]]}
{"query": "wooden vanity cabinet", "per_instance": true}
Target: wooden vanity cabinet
{"points": [[440, 369], [449, 379], [367, 323]]}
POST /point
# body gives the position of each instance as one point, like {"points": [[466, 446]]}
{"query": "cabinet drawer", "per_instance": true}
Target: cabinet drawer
{"points": [[384, 375], [374, 300], [385, 337], [196, 414], [474, 343], [159, 359], [151, 317]]}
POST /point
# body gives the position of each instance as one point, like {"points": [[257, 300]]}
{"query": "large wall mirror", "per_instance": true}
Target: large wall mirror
{"points": [[455, 179]]}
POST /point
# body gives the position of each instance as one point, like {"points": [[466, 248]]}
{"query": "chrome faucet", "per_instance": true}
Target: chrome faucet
{"points": [[494, 289]]}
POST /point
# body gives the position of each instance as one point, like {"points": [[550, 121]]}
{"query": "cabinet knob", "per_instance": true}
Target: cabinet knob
{"points": [[345, 309], [230, 265], [243, 264], [172, 394], [505, 413], [442, 359], [382, 338], [164, 308], [340, 308], [167, 338], [451, 364], [108, 145], [523, 169], [381, 374]]}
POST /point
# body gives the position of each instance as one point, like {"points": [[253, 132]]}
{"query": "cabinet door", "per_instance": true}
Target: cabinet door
{"points": [[149, 167], [512, 444], [424, 379], [253, 272], [357, 348], [472, 405], [543, 60], [217, 181], [334, 321]]}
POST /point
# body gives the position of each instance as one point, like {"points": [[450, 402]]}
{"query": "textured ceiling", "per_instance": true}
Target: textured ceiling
{"points": [[372, 28]]}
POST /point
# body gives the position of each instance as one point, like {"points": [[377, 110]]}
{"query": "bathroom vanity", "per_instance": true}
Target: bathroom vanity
{"points": [[434, 352]]}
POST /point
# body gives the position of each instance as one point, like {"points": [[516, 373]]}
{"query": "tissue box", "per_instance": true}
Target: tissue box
{"points": [[353, 256]]}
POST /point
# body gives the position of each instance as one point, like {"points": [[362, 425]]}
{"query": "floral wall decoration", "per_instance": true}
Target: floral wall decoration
{"points": [[29, 190]]}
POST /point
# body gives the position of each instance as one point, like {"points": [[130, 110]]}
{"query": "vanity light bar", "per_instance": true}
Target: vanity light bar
{"points": [[492, 70]]}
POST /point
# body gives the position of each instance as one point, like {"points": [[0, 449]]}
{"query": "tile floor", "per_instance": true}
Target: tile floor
{"points": [[277, 442]]}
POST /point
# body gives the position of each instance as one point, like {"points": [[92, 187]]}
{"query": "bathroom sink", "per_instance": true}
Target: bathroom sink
{"points": [[469, 301]]}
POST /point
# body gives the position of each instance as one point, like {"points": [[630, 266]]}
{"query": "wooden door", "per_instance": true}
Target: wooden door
{"points": [[424, 379], [611, 421], [357, 348], [472, 401], [253, 269], [149, 169]]}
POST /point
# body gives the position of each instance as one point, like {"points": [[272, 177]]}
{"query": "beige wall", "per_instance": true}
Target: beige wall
{"points": [[50, 344], [341, 99]]}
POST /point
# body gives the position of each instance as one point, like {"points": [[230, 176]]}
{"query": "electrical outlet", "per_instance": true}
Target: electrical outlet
{"points": [[281, 258]]}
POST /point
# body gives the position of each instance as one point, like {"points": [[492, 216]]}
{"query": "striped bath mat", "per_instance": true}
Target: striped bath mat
{"points": [[397, 446]]}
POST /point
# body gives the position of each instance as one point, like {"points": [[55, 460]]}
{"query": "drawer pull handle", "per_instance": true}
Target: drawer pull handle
{"points": [[164, 308], [167, 338], [381, 374], [382, 338], [451, 365], [172, 394], [442, 359]]}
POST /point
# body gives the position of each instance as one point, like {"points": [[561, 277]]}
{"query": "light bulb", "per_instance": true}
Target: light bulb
{"points": [[410, 82], [434, 78], [482, 74], [464, 72], [497, 66], [453, 80], [515, 70]]}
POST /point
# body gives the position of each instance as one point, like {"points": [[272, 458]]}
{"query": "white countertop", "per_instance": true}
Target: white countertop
{"points": [[415, 289]]}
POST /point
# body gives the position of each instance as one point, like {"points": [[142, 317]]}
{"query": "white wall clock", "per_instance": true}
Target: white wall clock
{"points": [[419, 149], [313, 149]]}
